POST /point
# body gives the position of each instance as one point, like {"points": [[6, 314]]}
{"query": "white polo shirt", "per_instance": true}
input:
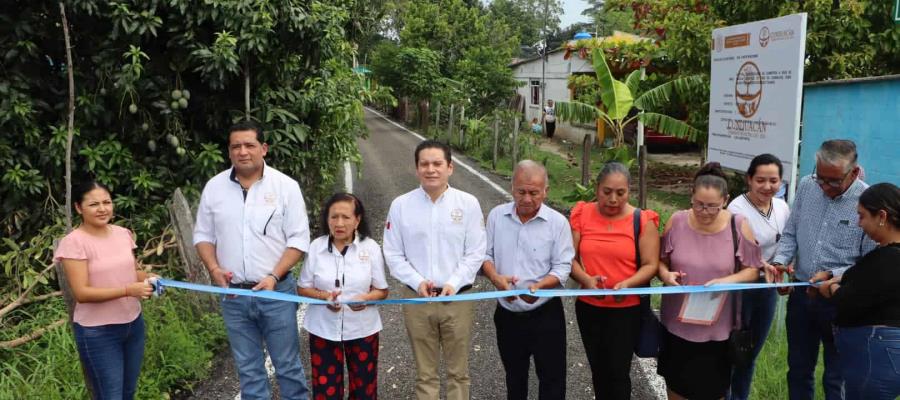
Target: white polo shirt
{"points": [[441, 241], [529, 251], [252, 229], [358, 270], [766, 227]]}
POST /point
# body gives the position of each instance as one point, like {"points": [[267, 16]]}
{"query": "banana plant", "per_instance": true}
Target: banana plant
{"points": [[619, 97]]}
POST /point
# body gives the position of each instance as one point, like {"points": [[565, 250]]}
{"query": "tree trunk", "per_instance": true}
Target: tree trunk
{"points": [[247, 89], [70, 126]]}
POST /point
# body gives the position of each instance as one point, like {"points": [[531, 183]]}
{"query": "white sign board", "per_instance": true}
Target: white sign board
{"points": [[756, 90]]}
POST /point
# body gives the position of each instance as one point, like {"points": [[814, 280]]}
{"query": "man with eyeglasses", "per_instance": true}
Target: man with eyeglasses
{"points": [[823, 239]]}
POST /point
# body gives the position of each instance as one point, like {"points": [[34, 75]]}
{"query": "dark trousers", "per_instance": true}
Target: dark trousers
{"points": [[809, 324], [328, 358], [609, 335], [540, 333], [757, 313], [551, 129], [112, 356]]}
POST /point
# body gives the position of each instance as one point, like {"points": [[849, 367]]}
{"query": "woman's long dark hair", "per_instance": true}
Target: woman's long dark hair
{"points": [[883, 196], [358, 210]]}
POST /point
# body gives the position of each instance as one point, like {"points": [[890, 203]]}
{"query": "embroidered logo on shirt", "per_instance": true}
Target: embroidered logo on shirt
{"points": [[456, 216], [364, 255], [270, 198]]}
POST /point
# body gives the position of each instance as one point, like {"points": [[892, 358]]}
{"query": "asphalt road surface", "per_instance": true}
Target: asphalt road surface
{"points": [[387, 171]]}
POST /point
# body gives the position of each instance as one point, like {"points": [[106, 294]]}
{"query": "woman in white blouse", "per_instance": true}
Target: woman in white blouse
{"points": [[344, 265], [768, 216]]}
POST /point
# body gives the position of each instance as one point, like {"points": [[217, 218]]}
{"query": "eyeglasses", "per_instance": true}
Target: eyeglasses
{"points": [[835, 183], [709, 208]]}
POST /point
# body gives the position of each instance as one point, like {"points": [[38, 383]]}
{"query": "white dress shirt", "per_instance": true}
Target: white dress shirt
{"points": [[441, 241], [529, 251], [357, 271], [252, 229], [767, 228]]}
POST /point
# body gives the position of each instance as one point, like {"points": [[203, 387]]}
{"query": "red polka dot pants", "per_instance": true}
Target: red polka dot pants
{"points": [[327, 359]]}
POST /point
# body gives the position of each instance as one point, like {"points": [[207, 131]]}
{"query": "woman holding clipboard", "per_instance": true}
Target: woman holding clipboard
{"points": [[698, 248]]}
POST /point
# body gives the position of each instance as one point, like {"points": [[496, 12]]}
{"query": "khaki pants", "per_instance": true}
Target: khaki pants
{"points": [[434, 327]]}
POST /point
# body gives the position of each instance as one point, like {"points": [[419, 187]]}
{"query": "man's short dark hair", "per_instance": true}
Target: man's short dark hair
{"points": [[247, 125], [433, 144]]}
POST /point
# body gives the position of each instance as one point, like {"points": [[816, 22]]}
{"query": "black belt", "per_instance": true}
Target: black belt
{"points": [[243, 285]]}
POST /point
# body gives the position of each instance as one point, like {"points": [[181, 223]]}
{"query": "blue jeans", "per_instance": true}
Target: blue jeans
{"points": [[254, 324], [809, 323], [870, 361], [112, 355], [757, 312]]}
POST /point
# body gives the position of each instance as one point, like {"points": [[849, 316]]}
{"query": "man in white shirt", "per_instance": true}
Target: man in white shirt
{"points": [[251, 230], [529, 245], [434, 244]]}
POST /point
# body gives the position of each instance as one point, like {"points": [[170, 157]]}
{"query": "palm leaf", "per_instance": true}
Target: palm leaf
{"points": [[632, 81], [670, 126], [574, 111], [660, 96], [615, 95]]}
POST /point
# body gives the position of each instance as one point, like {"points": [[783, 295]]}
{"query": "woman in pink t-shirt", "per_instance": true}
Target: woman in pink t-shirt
{"points": [[101, 269], [698, 249]]}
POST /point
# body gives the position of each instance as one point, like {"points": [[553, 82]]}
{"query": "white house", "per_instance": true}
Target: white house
{"points": [[556, 74]]}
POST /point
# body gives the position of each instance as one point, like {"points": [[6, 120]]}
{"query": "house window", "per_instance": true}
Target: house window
{"points": [[535, 93]]}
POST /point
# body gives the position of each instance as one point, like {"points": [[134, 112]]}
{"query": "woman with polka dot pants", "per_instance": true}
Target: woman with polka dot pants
{"points": [[343, 265]]}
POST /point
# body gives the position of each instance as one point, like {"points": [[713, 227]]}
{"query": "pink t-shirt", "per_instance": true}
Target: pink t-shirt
{"points": [[703, 256], [110, 264]]}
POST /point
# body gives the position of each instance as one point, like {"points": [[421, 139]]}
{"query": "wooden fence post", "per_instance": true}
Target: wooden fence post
{"points": [[642, 175], [586, 145], [450, 126], [515, 141], [462, 126], [496, 139], [437, 117]]}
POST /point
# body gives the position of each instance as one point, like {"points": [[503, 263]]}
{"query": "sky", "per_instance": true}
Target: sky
{"points": [[572, 12]]}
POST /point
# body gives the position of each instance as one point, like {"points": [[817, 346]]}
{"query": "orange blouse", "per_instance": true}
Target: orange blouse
{"points": [[607, 248]]}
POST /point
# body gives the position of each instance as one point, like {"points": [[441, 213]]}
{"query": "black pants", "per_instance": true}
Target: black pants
{"points": [[609, 335], [540, 333], [551, 128]]}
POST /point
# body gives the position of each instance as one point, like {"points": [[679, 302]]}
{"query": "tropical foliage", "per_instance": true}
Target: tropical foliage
{"points": [[157, 83], [618, 98]]}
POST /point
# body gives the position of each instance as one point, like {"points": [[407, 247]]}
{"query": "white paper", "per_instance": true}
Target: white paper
{"points": [[702, 308]]}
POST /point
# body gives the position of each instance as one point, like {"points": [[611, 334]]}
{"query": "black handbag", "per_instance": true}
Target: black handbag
{"points": [[647, 344], [740, 341]]}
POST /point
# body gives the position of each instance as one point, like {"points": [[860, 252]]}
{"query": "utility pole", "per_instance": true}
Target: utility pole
{"points": [[544, 59]]}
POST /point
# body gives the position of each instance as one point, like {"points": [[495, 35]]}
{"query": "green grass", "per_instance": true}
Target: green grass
{"points": [[179, 349], [770, 376]]}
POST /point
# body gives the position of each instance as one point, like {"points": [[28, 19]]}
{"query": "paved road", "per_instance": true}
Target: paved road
{"points": [[386, 172]]}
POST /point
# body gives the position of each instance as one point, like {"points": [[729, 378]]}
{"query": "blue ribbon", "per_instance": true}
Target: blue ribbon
{"points": [[498, 294]]}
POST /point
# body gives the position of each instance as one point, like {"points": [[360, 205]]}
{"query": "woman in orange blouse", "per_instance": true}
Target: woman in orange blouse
{"points": [[603, 235]]}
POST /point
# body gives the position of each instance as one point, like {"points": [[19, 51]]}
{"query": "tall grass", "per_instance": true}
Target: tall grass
{"points": [[178, 351]]}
